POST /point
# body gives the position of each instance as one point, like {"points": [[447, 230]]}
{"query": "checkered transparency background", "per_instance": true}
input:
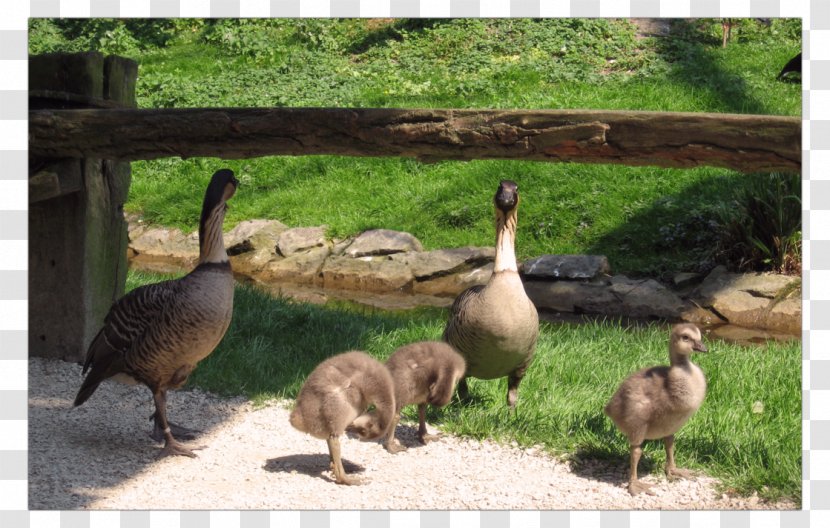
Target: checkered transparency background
{"points": [[14, 233]]}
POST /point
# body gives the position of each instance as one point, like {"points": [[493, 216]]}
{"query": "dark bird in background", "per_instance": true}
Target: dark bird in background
{"points": [[793, 66], [156, 334]]}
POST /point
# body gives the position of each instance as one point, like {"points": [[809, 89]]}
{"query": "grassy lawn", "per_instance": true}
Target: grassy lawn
{"points": [[272, 346], [648, 221]]}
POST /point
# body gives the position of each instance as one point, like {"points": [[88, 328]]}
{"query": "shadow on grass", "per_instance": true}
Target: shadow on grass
{"points": [[393, 31], [678, 231], [693, 53], [273, 344]]}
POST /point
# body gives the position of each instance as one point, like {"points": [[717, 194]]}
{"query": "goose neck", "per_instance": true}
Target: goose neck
{"points": [[211, 243], [505, 243]]}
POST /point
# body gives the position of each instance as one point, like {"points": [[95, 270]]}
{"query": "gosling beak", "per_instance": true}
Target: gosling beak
{"points": [[700, 347]]}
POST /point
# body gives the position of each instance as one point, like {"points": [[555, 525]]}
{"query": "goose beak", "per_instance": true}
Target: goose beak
{"points": [[230, 188], [700, 347], [507, 196]]}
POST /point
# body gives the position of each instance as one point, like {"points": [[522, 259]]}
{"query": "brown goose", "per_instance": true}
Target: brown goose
{"points": [[495, 326], [423, 372], [656, 402], [336, 392], [156, 334]]}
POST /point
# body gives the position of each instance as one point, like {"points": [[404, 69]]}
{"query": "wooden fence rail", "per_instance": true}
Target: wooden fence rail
{"points": [[745, 143]]}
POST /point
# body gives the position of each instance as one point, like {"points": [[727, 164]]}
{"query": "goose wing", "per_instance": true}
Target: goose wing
{"points": [[128, 319], [460, 312]]}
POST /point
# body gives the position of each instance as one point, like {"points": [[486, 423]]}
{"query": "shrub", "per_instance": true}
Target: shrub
{"points": [[762, 226]]}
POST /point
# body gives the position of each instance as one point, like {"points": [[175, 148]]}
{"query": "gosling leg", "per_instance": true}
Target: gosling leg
{"points": [[339, 473], [390, 443], [672, 471], [636, 486], [423, 437]]}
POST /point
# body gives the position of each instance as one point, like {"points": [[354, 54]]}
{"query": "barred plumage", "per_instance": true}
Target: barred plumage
{"points": [[156, 334]]}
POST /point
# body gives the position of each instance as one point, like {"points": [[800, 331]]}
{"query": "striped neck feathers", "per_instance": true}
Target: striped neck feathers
{"points": [[505, 241], [211, 243]]}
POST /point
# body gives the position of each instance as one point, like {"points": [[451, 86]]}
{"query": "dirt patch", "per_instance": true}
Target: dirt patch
{"points": [[98, 456]]}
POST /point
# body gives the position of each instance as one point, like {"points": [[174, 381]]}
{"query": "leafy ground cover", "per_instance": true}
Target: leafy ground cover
{"points": [[648, 221]]}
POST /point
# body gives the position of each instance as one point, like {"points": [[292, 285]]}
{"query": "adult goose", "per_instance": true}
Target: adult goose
{"points": [[655, 402], [156, 334], [495, 326]]}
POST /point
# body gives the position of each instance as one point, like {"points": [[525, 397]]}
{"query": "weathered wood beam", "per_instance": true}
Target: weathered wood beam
{"points": [[742, 142]]}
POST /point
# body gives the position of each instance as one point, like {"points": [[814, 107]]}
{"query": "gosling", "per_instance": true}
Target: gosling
{"points": [[336, 392], [423, 372], [655, 402]]}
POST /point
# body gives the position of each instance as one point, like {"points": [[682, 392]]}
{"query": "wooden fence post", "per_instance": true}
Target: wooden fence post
{"points": [[77, 231]]}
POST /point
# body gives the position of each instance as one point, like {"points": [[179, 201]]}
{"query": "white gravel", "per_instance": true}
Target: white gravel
{"points": [[99, 456]]}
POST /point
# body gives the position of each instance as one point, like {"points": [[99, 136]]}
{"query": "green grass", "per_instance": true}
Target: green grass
{"points": [[648, 221], [273, 344]]}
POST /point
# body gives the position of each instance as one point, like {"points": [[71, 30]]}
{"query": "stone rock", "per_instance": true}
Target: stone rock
{"points": [[382, 242], [301, 238], [445, 261], [250, 263], [339, 246], [566, 267], [253, 235], [747, 336], [300, 268], [164, 250], [135, 225], [754, 300], [570, 296], [759, 285], [646, 298], [619, 296], [683, 280], [377, 274], [453, 284]]}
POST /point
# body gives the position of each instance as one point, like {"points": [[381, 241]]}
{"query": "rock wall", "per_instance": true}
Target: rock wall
{"points": [[381, 263]]}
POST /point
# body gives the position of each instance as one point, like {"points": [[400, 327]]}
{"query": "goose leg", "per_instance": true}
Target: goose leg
{"points": [[423, 437], [672, 471], [635, 486], [157, 433], [171, 445], [463, 390], [513, 381], [337, 464], [178, 379]]}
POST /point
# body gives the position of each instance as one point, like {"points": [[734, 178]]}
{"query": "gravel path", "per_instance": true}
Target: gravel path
{"points": [[98, 456]]}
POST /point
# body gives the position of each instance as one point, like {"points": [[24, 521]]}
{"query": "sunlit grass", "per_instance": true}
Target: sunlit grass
{"points": [[273, 344]]}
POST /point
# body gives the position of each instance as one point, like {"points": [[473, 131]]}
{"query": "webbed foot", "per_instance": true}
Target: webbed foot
{"points": [[636, 487], [174, 448]]}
